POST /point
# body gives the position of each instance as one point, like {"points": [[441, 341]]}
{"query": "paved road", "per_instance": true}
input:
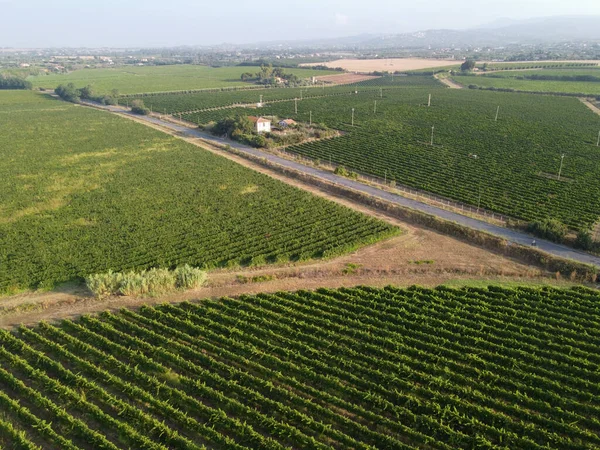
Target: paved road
{"points": [[514, 236]]}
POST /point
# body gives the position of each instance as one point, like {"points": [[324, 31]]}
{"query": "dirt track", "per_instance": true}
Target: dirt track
{"points": [[448, 82]]}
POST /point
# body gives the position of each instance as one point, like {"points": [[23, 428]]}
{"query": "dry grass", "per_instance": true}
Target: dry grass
{"points": [[390, 65]]}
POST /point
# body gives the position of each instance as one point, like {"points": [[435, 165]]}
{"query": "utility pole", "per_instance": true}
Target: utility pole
{"points": [[598, 143], [310, 118], [429, 102], [479, 200], [380, 92], [352, 116], [432, 128], [300, 93], [260, 101], [561, 164], [296, 106], [385, 177], [497, 112], [375, 107]]}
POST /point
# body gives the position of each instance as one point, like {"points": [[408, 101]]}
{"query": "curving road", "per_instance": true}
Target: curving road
{"points": [[514, 236]]}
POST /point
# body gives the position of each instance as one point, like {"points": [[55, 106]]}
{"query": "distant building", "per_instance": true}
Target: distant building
{"points": [[287, 123], [261, 125]]}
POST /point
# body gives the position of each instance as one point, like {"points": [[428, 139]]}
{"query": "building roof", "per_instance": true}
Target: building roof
{"points": [[288, 121], [255, 119]]}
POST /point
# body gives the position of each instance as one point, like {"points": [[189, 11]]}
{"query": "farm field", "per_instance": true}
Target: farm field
{"points": [[387, 64], [84, 191], [349, 368], [565, 72], [503, 81], [504, 166], [176, 103], [136, 80]]}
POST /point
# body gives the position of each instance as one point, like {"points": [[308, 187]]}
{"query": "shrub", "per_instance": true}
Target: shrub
{"points": [[187, 277], [104, 283], [342, 171], [138, 107], [550, 229], [150, 282], [584, 240], [160, 281]]}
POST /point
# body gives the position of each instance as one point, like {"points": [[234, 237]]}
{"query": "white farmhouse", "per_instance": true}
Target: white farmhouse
{"points": [[261, 125]]}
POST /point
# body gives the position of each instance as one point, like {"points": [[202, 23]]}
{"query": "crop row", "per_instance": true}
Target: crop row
{"points": [[507, 165], [357, 368]]}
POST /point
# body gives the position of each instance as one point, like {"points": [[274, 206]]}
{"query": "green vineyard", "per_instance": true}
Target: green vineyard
{"points": [[508, 165], [360, 368], [84, 191]]}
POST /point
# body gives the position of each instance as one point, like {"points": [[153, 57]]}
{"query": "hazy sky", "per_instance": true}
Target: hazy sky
{"points": [[129, 23]]}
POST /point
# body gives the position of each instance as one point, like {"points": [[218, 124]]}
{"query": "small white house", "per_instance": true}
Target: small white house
{"points": [[261, 125]]}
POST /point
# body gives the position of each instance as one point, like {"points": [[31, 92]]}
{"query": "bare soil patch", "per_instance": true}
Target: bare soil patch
{"points": [[390, 65], [344, 78], [591, 105], [448, 82]]}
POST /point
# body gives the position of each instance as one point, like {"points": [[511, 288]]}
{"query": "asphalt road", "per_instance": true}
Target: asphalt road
{"points": [[513, 236]]}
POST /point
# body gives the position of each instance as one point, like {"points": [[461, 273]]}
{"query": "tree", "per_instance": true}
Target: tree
{"points": [[468, 65], [584, 240], [247, 76], [243, 125], [138, 107], [86, 92], [14, 82], [278, 72], [265, 72], [68, 92]]}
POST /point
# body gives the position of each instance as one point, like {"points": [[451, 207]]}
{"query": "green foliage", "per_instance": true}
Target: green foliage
{"points": [[14, 82], [68, 92], [550, 229], [360, 367], [188, 277], [138, 107], [341, 171], [137, 80], [468, 65], [584, 240], [151, 282]]}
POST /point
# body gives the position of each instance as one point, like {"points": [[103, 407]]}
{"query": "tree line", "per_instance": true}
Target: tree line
{"points": [[14, 82]]}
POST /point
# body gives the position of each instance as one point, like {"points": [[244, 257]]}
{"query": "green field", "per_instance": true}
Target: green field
{"points": [[359, 368], [176, 103], [84, 191], [559, 80], [515, 160], [136, 80]]}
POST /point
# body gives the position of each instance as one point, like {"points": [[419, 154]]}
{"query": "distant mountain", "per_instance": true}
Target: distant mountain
{"points": [[500, 32]]}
